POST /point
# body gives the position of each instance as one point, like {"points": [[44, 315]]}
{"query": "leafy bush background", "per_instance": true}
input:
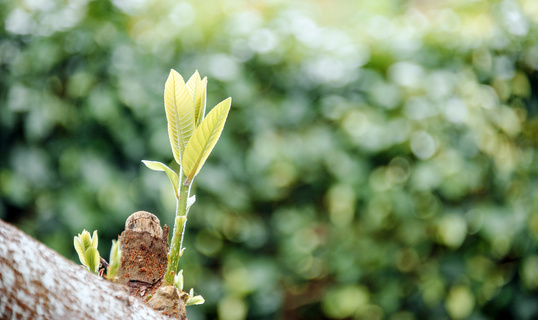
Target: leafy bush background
{"points": [[379, 161]]}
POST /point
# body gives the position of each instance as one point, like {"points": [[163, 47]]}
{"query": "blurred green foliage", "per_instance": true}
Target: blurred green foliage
{"points": [[379, 161]]}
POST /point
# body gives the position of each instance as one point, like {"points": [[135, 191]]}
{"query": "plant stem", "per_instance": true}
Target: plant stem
{"points": [[179, 227]]}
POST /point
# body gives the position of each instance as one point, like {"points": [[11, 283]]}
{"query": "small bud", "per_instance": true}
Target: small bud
{"points": [[91, 257], [95, 239], [194, 300], [86, 248], [190, 201], [115, 258], [178, 280], [180, 221]]}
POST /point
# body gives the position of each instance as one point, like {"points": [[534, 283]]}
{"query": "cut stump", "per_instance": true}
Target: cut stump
{"points": [[144, 246]]}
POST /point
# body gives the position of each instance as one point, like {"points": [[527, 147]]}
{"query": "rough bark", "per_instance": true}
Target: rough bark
{"points": [[144, 247], [170, 301], [38, 283]]}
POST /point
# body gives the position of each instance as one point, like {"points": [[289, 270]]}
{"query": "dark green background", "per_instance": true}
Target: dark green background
{"points": [[379, 159]]}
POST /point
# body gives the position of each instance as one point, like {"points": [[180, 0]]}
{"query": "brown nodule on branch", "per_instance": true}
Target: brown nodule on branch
{"points": [[170, 302], [144, 247], [144, 258], [143, 221]]}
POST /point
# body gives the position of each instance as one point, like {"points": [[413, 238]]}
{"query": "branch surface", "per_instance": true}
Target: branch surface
{"points": [[38, 283]]}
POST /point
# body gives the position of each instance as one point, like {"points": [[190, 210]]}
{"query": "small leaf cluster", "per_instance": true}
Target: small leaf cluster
{"points": [[86, 247], [192, 300], [192, 136]]}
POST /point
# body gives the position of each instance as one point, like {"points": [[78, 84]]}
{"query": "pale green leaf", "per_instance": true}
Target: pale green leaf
{"points": [[115, 253], [79, 248], [204, 139], [196, 300], [92, 258], [85, 240], [95, 239], [158, 166], [115, 259], [197, 88], [84, 243], [178, 280], [200, 111], [191, 201], [179, 109]]}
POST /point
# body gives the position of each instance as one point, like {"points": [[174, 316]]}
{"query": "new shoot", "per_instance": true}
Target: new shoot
{"points": [[192, 137]]}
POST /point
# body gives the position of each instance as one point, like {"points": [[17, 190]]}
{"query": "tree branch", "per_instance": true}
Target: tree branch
{"points": [[38, 283]]}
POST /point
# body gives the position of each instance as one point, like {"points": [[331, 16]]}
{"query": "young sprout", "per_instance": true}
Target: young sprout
{"points": [[192, 137], [115, 258], [86, 248], [178, 280], [193, 300]]}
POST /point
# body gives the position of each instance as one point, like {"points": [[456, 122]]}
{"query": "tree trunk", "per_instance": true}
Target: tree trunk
{"points": [[38, 283]]}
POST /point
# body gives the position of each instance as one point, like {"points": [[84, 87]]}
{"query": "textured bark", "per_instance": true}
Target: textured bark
{"points": [[38, 283], [170, 301], [144, 247]]}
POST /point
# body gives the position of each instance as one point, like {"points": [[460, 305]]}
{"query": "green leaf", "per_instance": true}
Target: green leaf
{"points": [[92, 258], [115, 253], [178, 280], [158, 166], [179, 109], [80, 250], [197, 88], [115, 259], [204, 139], [190, 202], [83, 242], [194, 300], [95, 239]]}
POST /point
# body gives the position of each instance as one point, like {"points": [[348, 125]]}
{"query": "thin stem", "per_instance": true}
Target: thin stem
{"points": [[179, 227]]}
